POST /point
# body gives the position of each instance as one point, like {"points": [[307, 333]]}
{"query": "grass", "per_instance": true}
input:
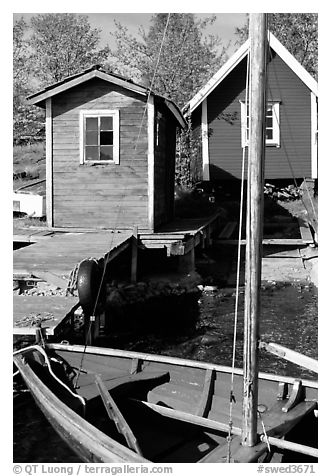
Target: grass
{"points": [[28, 163]]}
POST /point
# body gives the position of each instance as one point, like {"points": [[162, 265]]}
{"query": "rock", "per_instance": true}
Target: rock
{"points": [[210, 339], [209, 288]]}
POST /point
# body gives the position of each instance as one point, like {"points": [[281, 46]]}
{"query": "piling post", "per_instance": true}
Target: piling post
{"points": [[134, 254]]}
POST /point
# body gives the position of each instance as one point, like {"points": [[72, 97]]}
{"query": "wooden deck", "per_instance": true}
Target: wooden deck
{"points": [[225, 237], [182, 235], [55, 255]]}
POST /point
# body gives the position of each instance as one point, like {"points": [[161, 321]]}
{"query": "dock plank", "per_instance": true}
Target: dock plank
{"points": [[305, 231], [52, 310], [60, 253]]}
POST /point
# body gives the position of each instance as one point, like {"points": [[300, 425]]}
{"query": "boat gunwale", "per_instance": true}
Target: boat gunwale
{"points": [[105, 351], [68, 419]]}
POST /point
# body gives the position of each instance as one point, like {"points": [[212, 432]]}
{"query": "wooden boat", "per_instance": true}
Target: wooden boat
{"points": [[119, 406], [135, 407]]}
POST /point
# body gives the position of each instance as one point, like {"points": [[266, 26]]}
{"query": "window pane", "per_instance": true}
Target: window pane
{"points": [[106, 123], [91, 137], [269, 122], [91, 153], [106, 138], [269, 134], [91, 123], [106, 153]]}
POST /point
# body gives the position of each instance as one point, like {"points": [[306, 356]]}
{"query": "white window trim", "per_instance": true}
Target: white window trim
{"points": [[275, 141], [116, 134]]}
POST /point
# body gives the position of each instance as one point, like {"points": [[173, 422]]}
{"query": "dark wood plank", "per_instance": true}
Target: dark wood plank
{"points": [[207, 393], [115, 414]]}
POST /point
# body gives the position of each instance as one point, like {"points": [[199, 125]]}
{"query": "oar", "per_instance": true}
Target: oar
{"points": [[290, 355]]}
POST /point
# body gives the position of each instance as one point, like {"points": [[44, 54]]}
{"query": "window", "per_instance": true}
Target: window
{"points": [[99, 135], [272, 131]]}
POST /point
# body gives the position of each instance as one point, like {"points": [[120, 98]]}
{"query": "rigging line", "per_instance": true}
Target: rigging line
{"points": [[272, 65], [153, 79], [238, 269]]}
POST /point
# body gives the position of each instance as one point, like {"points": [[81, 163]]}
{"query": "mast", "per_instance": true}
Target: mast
{"points": [[254, 222]]}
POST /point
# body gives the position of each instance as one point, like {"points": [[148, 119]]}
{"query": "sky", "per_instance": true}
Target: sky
{"points": [[224, 26]]}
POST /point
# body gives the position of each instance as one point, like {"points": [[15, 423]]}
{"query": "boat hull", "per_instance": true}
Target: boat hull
{"points": [[193, 400]]}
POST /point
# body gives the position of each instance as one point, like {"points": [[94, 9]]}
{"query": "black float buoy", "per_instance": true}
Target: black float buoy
{"points": [[88, 283]]}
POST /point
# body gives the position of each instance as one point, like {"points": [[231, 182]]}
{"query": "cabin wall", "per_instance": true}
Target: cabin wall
{"points": [[164, 170], [292, 158], [108, 195]]}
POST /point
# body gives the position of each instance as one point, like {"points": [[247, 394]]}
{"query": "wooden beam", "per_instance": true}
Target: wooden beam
{"points": [[37, 98], [254, 223], [266, 241], [290, 355], [205, 141], [314, 137], [305, 231], [289, 445], [116, 416], [295, 397], [134, 254], [224, 427], [177, 361], [207, 393], [49, 163], [150, 160]]}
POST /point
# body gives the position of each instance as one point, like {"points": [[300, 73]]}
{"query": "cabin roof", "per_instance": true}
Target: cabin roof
{"points": [[39, 98], [237, 57]]}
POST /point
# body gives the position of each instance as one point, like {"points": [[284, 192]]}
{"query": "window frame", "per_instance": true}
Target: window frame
{"points": [[275, 141], [114, 113]]}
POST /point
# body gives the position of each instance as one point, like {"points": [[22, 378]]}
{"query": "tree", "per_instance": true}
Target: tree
{"points": [[298, 32], [64, 44], [27, 120], [174, 57], [60, 45]]}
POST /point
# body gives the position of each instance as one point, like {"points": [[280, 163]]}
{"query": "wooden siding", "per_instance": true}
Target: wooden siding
{"points": [[164, 170], [292, 158], [108, 195]]}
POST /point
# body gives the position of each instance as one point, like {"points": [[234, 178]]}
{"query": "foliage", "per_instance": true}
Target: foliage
{"points": [[188, 160], [61, 44], [174, 57], [64, 44], [27, 120], [29, 162], [298, 32]]}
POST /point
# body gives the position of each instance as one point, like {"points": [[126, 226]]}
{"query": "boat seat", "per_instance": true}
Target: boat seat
{"points": [[132, 385]]}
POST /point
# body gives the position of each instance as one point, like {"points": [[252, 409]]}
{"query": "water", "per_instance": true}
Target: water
{"points": [[289, 317]]}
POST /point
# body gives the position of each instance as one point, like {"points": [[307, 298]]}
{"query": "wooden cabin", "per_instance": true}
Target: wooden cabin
{"points": [[110, 152], [220, 127]]}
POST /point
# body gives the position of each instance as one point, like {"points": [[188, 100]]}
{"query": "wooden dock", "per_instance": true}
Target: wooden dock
{"points": [[225, 237], [53, 313], [54, 256], [181, 236]]}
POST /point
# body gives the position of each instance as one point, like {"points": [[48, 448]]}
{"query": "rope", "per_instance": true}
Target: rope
{"points": [[232, 397], [264, 431]]}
